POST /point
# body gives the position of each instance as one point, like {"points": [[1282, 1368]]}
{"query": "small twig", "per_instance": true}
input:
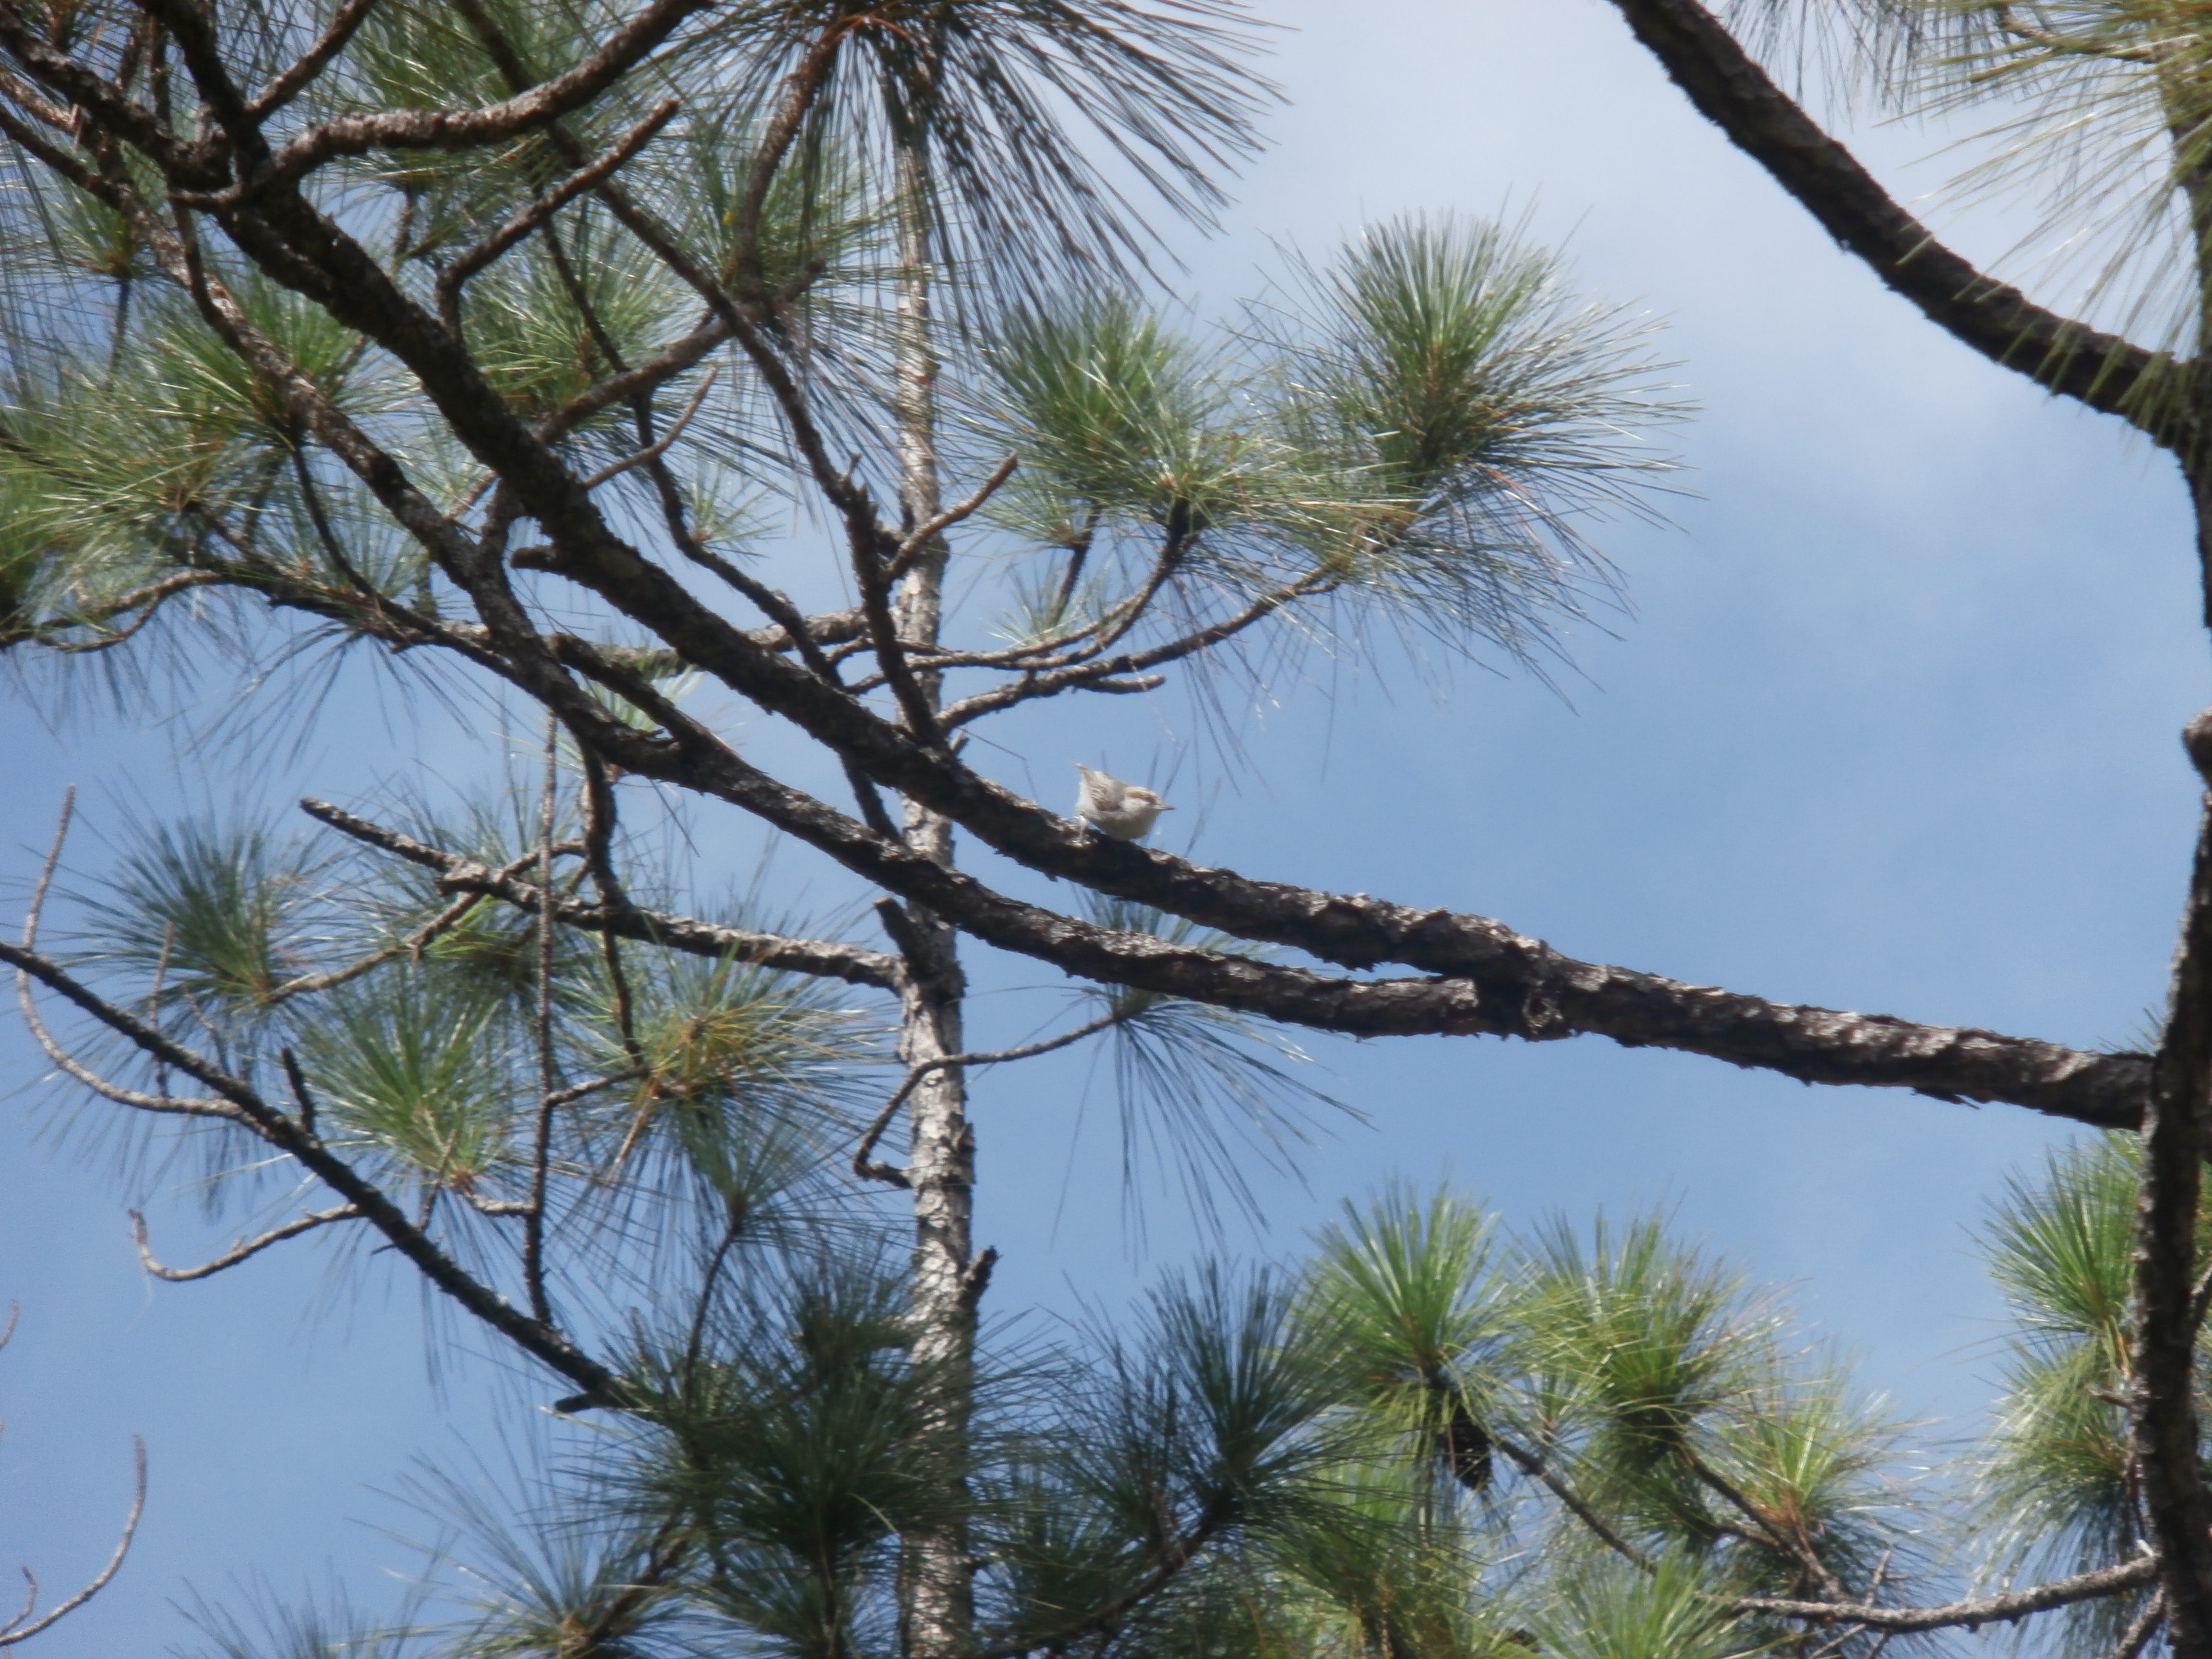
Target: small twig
{"points": [[15, 1631], [2140, 1630], [534, 1221], [411, 947], [154, 999], [46, 870], [913, 547], [659, 447], [242, 1250], [521, 224], [599, 857], [296, 78], [191, 1106], [696, 1339], [300, 1095], [868, 1170]]}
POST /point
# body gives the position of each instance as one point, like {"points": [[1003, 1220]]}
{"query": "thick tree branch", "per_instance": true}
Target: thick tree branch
{"points": [[1488, 978], [2163, 1405], [1728, 88]]}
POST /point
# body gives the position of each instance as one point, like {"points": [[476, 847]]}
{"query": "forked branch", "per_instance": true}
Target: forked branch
{"points": [[23, 1628]]}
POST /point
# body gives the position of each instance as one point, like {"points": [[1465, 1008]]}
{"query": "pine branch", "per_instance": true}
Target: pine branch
{"points": [[1726, 86], [242, 1104], [823, 958]]}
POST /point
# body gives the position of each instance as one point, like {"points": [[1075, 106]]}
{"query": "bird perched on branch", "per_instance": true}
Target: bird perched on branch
{"points": [[1123, 810]]}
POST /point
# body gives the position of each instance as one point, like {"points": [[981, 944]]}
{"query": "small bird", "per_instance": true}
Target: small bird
{"points": [[1123, 810]]}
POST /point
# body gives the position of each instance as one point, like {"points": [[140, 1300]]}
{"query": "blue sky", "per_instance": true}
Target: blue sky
{"points": [[1892, 727]]}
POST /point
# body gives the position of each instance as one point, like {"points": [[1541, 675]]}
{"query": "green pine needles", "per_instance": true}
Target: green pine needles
{"points": [[524, 361]]}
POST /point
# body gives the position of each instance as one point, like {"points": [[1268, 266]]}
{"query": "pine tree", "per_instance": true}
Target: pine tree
{"points": [[483, 334]]}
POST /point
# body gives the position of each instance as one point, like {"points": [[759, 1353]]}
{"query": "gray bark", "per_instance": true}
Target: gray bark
{"points": [[939, 1613]]}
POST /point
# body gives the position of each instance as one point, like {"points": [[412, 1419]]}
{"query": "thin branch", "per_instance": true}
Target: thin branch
{"points": [[295, 77], [541, 1144], [1970, 1615], [1973, 1614], [2140, 1630], [239, 1251], [161, 1101], [825, 958], [1535, 1466], [459, 129], [247, 1108], [871, 1171], [1087, 674], [801, 89], [15, 1631], [1788, 1541], [599, 857], [448, 917], [913, 546], [659, 447], [518, 224], [302, 1096]]}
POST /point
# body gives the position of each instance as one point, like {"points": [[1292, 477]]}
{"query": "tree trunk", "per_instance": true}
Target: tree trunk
{"points": [[939, 1610]]}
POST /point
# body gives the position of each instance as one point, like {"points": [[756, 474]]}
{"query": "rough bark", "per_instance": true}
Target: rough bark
{"points": [[2164, 1406], [1726, 87], [939, 1611]]}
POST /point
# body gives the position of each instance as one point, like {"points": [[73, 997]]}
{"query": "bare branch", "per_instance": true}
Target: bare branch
{"points": [[239, 1251], [1970, 1615], [659, 447], [16, 1631], [467, 264], [912, 547], [68, 1064], [298, 74], [868, 1170]]}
